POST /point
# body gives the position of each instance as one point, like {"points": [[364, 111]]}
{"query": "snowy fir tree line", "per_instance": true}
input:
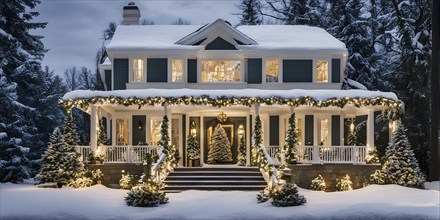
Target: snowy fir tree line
{"points": [[389, 49]]}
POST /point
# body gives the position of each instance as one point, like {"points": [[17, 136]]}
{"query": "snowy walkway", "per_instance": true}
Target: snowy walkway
{"points": [[26, 201]]}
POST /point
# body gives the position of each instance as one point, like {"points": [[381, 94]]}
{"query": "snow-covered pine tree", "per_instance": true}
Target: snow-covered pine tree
{"points": [[289, 148], [287, 195], [220, 149], [257, 140], [344, 183], [241, 157], [295, 12], [192, 145], [14, 165], [250, 12], [401, 166], [72, 164], [52, 159], [352, 138], [147, 194], [318, 184], [102, 136]]}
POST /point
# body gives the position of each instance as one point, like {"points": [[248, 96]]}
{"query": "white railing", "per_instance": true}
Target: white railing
{"points": [[273, 152], [121, 154], [331, 154], [84, 152], [269, 172]]}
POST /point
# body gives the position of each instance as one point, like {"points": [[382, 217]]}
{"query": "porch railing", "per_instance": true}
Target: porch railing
{"points": [[326, 154], [121, 154]]}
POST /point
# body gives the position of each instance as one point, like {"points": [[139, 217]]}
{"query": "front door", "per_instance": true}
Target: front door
{"points": [[231, 126]]}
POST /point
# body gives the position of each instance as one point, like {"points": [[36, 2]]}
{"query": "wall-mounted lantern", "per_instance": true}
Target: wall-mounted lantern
{"points": [[140, 126]]}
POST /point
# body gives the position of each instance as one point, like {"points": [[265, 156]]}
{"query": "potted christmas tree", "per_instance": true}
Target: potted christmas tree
{"points": [[193, 147]]}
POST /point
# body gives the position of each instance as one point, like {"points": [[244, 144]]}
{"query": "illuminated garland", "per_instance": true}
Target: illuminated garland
{"points": [[396, 107]]}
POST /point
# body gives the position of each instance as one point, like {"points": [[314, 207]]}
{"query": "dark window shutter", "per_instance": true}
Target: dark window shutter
{"points": [[192, 70], [120, 67], [336, 132], [308, 130], [274, 133], [336, 70], [254, 71]]}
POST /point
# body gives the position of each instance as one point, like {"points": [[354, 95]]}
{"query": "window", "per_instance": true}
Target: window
{"points": [[122, 131], [138, 70], [322, 71], [221, 71], [324, 132], [177, 70], [155, 131], [272, 71], [299, 129]]}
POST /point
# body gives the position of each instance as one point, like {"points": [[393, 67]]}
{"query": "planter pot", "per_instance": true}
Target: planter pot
{"points": [[197, 163], [190, 163]]}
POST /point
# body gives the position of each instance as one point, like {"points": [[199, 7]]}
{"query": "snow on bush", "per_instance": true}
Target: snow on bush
{"points": [[128, 181], [372, 157], [344, 183], [80, 182], [264, 194], [146, 194], [318, 184], [287, 195], [86, 178], [401, 166]]}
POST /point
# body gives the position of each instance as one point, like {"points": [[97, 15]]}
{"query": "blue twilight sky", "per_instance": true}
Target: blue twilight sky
{"points": [[74, 30]]}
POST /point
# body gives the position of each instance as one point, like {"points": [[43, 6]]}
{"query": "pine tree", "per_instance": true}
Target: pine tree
{"points": [[53, 159], [295, 12], [241, 158], [291, 142], [102, 136], [14, 165], [401, 166], [250, 12], [344, 183], [72, 164], [257, 140], [220, 149], [287, 195], [192, 146], [318, 184]]}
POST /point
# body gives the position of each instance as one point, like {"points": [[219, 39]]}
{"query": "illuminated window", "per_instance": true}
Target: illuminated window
{"points": [[221, 71], [177, 70], [122, 131], [138, 70], [324, 138], [155, 131], [322, 71], [272, 71]]}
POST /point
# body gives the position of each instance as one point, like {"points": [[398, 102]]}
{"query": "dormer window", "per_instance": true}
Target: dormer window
{"points": [[177, 70], [138, 70], [322, 71], [221, 71], [272, 73]]}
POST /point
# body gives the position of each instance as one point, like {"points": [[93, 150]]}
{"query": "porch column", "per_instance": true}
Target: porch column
{"points": [[257, 110], [370, 130], [93, 128], [202, 141]]}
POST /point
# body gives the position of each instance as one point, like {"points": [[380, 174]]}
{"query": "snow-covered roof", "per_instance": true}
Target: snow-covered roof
{"points": [[267, 37], [317, 95]]}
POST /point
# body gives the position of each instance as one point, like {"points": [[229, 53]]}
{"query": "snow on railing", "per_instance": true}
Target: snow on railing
{"points": [[121, 154], [157, 168], [331, 154], [269, 171]]}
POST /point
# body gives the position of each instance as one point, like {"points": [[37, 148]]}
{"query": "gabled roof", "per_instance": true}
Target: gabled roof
{"points": [[246, 38], [218, 28]]}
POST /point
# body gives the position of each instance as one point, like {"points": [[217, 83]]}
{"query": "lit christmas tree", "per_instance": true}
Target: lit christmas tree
{"points": [[257, 140], [102, 136], [220, 150], [53, 160], [241, 158], [70, 158], [318, 184], [344, 184], [352, 138], [289, 148], [193, 147]]}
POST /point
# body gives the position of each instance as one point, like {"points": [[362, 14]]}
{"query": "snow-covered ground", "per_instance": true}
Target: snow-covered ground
{"points": [[26, 201]]}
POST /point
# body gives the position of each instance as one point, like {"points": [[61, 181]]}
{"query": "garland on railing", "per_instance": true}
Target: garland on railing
{"points": [[395, 107]]}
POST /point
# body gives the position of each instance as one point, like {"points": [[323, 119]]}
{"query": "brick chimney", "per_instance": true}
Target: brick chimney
{"points": [[131, 14]]}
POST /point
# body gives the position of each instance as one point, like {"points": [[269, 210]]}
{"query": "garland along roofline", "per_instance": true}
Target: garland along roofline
{"points": [[395, 107]]}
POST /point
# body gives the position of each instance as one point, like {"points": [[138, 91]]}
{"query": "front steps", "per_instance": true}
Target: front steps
{"points": [[214, 178]]}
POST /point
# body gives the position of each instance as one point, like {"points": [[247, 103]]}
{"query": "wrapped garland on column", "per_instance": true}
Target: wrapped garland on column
{"points": [[220, 150], [257, 140]]}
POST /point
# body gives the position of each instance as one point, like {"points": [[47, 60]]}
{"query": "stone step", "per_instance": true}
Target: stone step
{"points": [[229, 169], [214, 173], [211, 182], [215, 187], [235, 178]]}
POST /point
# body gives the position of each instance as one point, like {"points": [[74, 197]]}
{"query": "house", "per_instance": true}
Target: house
{"points": [[205, 73]]}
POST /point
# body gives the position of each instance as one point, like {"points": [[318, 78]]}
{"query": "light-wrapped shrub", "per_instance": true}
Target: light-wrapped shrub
{"points": [[287, 195], [146, 194], [344, 183], [80, 182], [128, 181], [318, 184]]}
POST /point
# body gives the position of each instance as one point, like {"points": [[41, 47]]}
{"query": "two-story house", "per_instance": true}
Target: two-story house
{"points": [[202, 73]]}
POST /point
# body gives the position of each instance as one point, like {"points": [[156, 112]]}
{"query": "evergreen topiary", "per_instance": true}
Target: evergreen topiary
{"points": [[401, 166], [220, 149], [53, 159], [287, 195], [102, 136], [344, 183], [241, 158], [193, 147], [318, 184], [289, 147], [257, 140], [352, 138], [146, 194]]}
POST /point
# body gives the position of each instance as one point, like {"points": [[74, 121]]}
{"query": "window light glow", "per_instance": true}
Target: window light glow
{"points": [[221, 71], [177, 71], [322, 71], [272, 71], [138, 70]]}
